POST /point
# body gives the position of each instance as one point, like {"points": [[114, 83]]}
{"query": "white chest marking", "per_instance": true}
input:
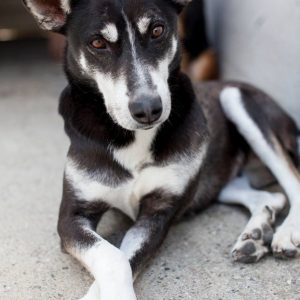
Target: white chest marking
{"points": [[137, 153], [172, 177]]}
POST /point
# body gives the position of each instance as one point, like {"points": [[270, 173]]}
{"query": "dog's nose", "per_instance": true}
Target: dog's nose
{"points": [[146, 109]]}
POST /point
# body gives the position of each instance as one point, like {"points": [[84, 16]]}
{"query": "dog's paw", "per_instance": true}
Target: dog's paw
{"points": [[93, 293], [286, 241], [253, 244]]}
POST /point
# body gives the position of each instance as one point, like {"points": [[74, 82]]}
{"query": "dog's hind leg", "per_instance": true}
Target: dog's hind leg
{"points": [[255, 241], [263, 137]]}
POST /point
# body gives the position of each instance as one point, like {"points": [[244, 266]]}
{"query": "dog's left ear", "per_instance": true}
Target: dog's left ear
{"points": [[50, 14], [180, 4]]}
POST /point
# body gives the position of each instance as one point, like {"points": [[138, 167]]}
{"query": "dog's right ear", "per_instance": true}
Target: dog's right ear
{"points": [[50, 14]]}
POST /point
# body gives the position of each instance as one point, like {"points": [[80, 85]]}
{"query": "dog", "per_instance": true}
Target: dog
{"points": [[148, 142]]}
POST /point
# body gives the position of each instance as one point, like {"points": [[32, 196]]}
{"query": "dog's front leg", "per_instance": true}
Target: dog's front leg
{"points": [[109, 266], [141, 241]]}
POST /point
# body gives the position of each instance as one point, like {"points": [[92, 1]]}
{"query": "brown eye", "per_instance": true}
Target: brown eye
{"points": [[157, 31], [98, 43]]}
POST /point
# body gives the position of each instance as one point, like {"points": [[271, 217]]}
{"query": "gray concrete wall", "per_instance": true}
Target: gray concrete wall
{"points": [[258, 41]]}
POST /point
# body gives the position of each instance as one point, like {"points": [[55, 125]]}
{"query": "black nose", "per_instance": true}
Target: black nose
{"points": [[146, 109]]}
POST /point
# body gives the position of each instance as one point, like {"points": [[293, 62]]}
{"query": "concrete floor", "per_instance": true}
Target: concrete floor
{"points": [[194, 262]]}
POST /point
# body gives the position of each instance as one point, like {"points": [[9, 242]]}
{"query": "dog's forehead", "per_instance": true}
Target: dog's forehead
{"points": [[103, 12]]}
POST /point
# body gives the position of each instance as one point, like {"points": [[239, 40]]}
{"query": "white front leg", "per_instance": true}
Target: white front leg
{"points": [[111, 270]]}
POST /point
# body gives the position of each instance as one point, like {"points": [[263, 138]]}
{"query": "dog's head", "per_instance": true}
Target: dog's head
{"points": [[127, 48]]}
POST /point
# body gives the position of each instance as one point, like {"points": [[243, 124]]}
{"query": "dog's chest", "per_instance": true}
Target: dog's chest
{"points": [[145, 178], [124, 194], [133, 158]]}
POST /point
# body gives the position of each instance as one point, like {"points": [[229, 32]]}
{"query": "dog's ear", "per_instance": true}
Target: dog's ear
{"points": [[180, 4], [50, 14]]}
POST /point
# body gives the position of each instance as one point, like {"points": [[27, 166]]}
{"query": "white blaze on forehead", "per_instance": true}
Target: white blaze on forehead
{"points": [[136, 62], [110, 32], [143, 24]]}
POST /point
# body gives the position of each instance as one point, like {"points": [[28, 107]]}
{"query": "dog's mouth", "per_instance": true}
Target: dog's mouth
{"points": [[148, 127]]}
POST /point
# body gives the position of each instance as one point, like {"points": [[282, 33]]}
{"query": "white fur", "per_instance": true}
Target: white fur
{"points": [[84, 64], [93, 293], [232, 104], [90, 188], [143, 24], [239, 191], [136, 62], [115, 93], [172, 177], [160, 77], [110, 32], [137, 153], [65, 5], [111, 270], [288, 234], [133, 241]]}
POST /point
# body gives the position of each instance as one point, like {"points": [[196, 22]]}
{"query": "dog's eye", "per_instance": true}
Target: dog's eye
{"points": [[98, 43], [157, 31]]}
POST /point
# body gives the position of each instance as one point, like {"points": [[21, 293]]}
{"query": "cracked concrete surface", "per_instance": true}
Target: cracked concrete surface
{"points": [[194, 262]]}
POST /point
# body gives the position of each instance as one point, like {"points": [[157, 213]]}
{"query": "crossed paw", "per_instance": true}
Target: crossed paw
{"points": [[253, 244], [257, 241]]}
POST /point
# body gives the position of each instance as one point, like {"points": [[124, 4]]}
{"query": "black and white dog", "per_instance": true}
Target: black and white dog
{"points": [[145, 141]]}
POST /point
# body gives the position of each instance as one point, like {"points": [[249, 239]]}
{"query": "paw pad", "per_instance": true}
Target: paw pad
{"points": [[247, 253]]}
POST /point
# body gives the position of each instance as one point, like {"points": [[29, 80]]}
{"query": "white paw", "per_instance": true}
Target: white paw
{"points": [[117, 293], [253, 244], [286, 241], [93, 293], [256, 239]]}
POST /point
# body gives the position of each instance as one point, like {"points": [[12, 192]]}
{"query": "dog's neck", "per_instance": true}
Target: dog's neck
{"points": [[84, 112]]}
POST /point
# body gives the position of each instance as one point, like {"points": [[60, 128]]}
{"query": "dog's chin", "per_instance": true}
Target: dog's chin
{"points": [[138, 126], [133, 126]]}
